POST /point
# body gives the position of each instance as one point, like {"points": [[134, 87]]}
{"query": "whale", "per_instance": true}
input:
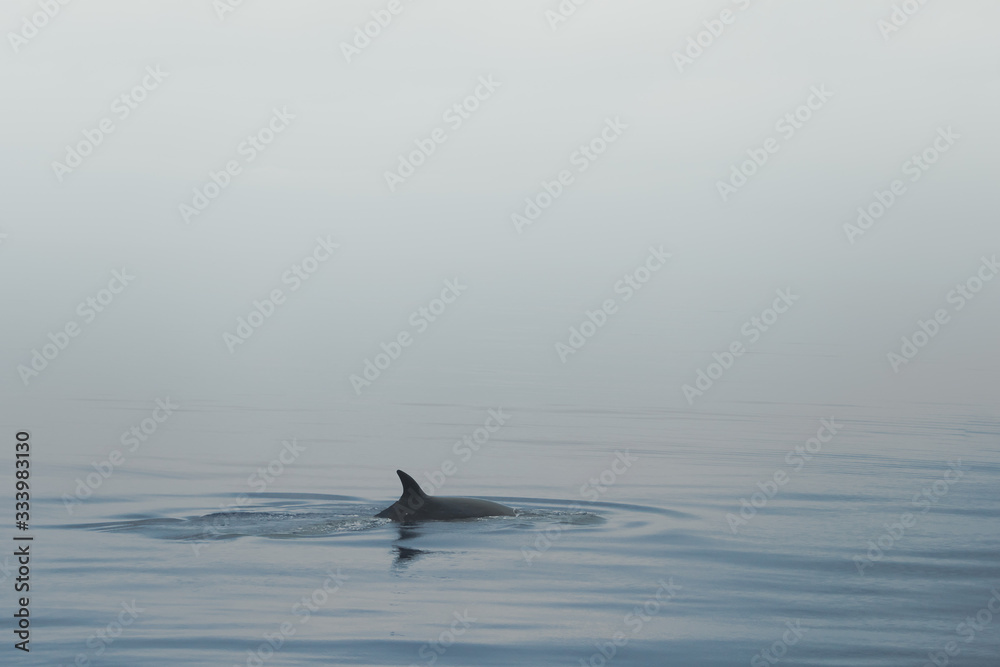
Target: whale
{"points": [[415, 505]]}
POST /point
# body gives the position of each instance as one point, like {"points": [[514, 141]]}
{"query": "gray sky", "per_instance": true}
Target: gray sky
{"points": [[656, 184]]}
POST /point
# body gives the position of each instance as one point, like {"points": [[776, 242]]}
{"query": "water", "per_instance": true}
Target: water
{"points": [[210, 560], [774, 221]]}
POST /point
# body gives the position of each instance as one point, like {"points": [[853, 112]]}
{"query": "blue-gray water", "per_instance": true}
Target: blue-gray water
{"points": [[722, 271], [209, 560]]}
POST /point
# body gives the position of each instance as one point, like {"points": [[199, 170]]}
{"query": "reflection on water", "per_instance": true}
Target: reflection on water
{"points": [[297, 519], [566, 577]]}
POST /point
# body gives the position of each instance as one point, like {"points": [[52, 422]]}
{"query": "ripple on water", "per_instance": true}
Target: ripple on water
{"points": [[313, 515]]}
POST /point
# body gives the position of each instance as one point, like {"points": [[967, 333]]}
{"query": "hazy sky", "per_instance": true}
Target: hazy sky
{"points": [[278, 71]]}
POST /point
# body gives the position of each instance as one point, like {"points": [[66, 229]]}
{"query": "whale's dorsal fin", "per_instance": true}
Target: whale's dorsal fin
{"points": [[410, 485], [415, 505]]}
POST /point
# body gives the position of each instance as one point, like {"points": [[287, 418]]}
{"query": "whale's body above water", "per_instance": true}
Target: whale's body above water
{"points": [[415, 505]]}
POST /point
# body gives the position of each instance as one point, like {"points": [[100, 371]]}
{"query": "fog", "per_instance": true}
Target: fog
{"points": [[344, 124]]}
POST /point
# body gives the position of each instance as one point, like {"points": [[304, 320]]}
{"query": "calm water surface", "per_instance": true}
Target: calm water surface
{"points": [[642, 538]]}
